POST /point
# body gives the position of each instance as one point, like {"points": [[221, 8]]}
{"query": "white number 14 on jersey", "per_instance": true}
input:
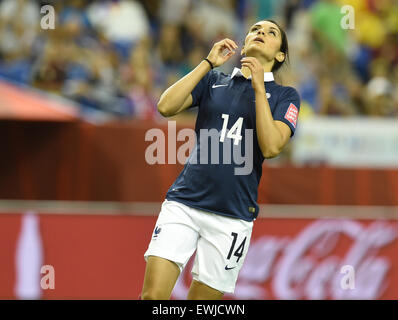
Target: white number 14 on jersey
{"points": [[234, 132]]}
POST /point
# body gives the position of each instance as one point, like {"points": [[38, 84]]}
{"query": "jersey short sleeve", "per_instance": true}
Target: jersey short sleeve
{"points": [[288, 108], [201, 89]]}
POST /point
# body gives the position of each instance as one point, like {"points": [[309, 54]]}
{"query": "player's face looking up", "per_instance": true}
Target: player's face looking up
{"points": [[267, 42]]}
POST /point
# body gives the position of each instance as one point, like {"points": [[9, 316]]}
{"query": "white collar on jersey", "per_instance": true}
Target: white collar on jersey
{"points": [[268, 76]]}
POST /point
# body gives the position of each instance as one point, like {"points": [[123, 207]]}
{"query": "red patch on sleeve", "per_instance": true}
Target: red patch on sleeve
{"points": [[292, 114]]}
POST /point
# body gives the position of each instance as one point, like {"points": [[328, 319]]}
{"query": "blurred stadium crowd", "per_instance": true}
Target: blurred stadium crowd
{"points": [[118, 56]]}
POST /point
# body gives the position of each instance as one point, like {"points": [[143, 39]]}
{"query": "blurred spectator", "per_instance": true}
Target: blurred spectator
{"points": [[50, 71], [18, 31], [137, 80], [379, 90], [18, 27], [169, 45], [123, 22], [215, 17], [173, 11], [326, 17]]}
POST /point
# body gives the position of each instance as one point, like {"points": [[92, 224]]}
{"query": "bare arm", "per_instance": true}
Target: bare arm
{"points": [[178, 97], [272, 135]]}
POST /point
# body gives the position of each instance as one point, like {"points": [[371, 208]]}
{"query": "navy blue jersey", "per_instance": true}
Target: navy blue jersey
{"points": [[225, 184]]}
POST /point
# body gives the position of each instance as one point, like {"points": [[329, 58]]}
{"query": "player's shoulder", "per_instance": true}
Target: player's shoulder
{"points": [[286, 92]]}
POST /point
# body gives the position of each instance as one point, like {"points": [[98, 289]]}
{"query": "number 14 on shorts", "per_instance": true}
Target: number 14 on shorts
{"points": [[235, 253]]}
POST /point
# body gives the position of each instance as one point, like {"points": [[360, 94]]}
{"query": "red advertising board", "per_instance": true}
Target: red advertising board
{"points": [[101, 257]]}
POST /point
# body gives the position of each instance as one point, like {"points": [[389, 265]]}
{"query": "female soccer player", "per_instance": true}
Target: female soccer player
{"points": [[210, 207]]}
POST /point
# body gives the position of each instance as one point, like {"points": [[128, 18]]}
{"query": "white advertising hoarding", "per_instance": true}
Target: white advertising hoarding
{"points": [[347, 142]]}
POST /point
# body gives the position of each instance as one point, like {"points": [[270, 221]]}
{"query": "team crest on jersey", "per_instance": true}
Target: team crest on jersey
{"points": [[292, 114]]}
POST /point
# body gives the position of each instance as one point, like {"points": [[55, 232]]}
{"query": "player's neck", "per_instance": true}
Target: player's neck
{"points": [[247, 73], [267, 66]]}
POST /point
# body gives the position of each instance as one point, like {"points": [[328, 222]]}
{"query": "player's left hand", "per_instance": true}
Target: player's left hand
{"points": [[257, 72]]}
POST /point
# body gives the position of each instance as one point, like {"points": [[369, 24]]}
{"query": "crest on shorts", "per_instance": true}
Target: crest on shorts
{"points": [[157, 231]]}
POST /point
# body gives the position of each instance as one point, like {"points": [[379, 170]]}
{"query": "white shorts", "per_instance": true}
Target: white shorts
{"points": [[221, 243]]}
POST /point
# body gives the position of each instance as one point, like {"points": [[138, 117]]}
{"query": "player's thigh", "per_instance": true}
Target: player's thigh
{"points": [[160, 277], [201, 291]]}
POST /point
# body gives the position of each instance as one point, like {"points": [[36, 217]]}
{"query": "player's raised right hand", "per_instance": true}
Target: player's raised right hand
{"points": [[216, 56]]}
